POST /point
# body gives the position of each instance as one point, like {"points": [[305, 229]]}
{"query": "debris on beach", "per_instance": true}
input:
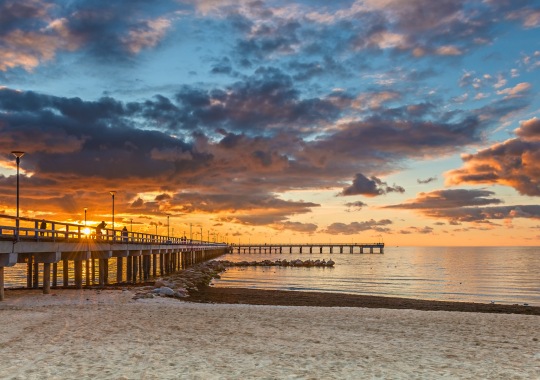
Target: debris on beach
{"points": [[179, 284]]}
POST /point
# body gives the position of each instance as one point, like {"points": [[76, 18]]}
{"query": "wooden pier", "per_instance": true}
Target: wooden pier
{"points": [[143, 255], [310, 248]]}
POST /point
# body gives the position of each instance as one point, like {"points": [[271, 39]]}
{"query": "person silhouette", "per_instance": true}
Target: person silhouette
{"points": [[42, 227], [124, 234], [101, 226]]}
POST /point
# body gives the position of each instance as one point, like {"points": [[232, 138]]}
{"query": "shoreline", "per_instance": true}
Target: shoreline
{"points": [[248, 296], [269, 297]]}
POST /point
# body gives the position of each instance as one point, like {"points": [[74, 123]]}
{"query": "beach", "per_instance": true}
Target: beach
{"points": [[90, 333]]}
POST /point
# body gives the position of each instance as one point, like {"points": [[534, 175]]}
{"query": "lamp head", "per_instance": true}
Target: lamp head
{"points": [[112, 192], [17, 153]]}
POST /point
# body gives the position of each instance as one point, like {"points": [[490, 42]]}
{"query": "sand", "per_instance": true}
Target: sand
{"points": [[91, 334]]}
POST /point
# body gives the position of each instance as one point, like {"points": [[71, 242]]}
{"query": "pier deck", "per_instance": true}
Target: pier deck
{"points": [[144, 255]]}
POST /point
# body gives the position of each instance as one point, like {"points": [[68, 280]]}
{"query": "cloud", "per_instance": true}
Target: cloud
{"points": [[355, 206], [515, 91], [451, 198], [34, 32], [357, 227], [461, 205], [296, 227], [25, 45], [514, 162], [427, 180], [148, 34], [370, 187]]}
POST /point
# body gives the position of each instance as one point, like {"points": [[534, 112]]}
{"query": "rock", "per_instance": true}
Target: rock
{"points": [[159, 283], [166, 291]]}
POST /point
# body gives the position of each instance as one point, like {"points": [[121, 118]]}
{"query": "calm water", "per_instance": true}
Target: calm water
{"points": [[480, 274]]}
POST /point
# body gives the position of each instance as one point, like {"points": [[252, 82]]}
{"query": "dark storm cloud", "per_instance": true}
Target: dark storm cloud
{"points": [[266, 99], [357, 227], [384, 140], [370, 187]]}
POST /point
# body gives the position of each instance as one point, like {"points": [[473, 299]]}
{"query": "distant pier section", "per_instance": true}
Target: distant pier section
{"points": [[310, 248]]}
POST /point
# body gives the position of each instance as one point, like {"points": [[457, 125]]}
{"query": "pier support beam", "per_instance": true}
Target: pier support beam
{"points": [[1, 283], [119, 269], [46, 278], [77, 264], [55, 275], [36, 275], [129, 269], [29, 266], [65, 273]]}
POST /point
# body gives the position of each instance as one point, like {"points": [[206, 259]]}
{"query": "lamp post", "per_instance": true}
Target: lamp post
{"points": [[168, 228], [131, 225], [18, 154], [112, 192], [86, 208]]}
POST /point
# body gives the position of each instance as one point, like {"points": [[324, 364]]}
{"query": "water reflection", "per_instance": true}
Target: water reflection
{"points": [[478, 274]]}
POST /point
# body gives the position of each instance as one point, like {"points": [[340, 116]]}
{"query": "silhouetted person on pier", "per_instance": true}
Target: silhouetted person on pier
{"points": [[101, 226], [42, 226], [124, 234]]}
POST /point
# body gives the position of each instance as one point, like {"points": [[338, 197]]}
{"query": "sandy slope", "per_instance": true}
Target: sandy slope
{"points": [[88, 334]]}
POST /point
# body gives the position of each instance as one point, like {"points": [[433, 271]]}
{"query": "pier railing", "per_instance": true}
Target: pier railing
{"points": [[30, 230]]}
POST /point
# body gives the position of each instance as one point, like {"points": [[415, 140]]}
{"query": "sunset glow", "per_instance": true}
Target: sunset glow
{"points": [[410, 122]]}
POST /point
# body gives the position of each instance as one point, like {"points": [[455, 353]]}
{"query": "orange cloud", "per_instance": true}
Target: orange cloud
{"points": [[515, 163]]}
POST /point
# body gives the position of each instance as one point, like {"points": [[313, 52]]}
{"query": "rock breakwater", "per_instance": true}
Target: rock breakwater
{"points": [[280, 263], [180, 284]]}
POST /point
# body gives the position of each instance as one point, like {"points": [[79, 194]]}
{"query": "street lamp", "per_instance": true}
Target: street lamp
{"points": [[131, 224], [86, 208], [18, 154], [113, 192], [168, 228]]}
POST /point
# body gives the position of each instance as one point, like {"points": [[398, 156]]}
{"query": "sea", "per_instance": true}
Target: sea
{"points": [[506, 275]]}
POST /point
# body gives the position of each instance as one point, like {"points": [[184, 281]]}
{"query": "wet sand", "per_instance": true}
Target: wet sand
{"points": [[321, 299]]}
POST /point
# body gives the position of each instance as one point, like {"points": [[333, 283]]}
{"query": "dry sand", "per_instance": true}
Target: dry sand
{"points": [[90, 334]]}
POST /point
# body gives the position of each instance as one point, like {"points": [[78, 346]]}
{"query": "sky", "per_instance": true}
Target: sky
{"points": [[412, 122]]}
